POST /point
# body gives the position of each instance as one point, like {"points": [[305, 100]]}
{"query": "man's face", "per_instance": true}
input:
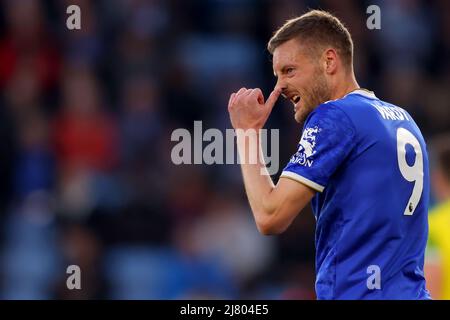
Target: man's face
{"points": [[301, 78]]}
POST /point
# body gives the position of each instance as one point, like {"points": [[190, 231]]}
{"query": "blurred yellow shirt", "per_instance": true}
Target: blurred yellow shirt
{"points": [[439, 240]]}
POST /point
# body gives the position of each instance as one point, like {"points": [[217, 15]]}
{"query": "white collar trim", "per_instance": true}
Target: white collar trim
{"points": [[365, 93], [362, 92]]}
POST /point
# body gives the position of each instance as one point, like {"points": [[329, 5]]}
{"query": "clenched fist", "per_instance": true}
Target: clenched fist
{"points": [[248, 110]]}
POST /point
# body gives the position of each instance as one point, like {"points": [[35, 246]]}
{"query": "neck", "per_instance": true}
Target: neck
{"points": [[344, 85]]}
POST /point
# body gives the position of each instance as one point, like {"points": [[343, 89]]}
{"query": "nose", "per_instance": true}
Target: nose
{"points": [[281, 86]]}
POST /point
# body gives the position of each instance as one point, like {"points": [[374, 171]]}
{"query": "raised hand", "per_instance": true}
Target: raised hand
{"points": [[248, 110]]}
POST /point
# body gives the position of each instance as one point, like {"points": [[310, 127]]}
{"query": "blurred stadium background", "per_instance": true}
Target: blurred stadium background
{"points": [[85, 124]]}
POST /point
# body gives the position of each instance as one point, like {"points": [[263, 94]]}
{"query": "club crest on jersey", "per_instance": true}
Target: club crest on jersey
{"points": [[306, 147]]}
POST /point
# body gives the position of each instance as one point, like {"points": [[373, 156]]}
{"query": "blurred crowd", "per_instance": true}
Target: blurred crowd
{"points": [[86, 118]]}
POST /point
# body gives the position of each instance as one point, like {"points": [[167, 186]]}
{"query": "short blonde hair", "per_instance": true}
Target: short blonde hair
{"points": [[316, 28]]}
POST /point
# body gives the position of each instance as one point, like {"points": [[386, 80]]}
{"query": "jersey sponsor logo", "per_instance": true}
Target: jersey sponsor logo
{"points": [[306, 147]]}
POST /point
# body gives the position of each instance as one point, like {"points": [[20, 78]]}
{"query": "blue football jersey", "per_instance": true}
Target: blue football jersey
{"points": [[368, 161]]}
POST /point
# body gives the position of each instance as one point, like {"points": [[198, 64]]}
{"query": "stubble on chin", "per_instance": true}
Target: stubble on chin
{"points": [[312, 98]]}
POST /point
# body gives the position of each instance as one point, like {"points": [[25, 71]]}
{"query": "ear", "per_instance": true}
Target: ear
{"points": [[331, 61]]}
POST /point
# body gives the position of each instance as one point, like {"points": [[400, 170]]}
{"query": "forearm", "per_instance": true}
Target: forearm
{"points": [[257, 181]]}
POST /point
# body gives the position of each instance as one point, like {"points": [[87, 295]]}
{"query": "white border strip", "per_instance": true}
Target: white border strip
{"points": [[366, 93], [301, 179]]}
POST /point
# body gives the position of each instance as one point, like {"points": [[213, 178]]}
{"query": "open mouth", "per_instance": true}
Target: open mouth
{"points": [[295, 99]]}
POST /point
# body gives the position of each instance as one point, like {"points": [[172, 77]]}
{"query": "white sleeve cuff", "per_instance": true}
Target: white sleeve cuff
{"points": [[301, 179]]}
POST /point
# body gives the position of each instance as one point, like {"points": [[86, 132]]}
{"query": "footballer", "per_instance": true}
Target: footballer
{"points": [[361, 162]]}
